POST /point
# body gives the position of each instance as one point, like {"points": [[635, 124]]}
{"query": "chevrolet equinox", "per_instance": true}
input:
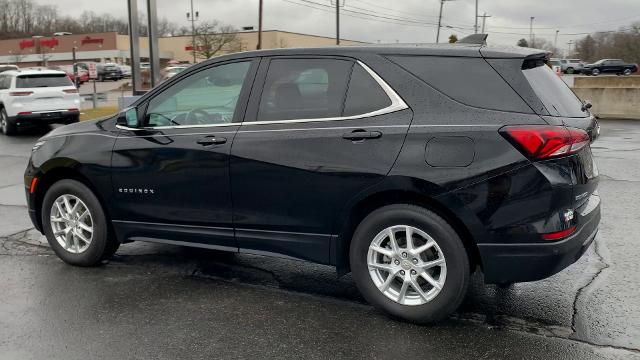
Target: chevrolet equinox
{"points": [[409, 166]]}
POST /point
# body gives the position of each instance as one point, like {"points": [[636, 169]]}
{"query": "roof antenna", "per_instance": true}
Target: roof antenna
{"points": [[479, 39]]}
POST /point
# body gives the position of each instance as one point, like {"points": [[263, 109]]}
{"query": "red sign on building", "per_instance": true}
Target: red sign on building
{"points": [[50, 43], [27, 44], [90, 40]]}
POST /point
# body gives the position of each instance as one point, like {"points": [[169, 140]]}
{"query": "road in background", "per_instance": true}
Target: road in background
{"points": [[165, 302]]}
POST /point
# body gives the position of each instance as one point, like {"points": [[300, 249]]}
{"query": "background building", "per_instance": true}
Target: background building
{"points": [[113, 47]]}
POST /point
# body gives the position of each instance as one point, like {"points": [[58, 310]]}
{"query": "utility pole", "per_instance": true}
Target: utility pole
{"points": [[570, 42], [555, 41], [75, 66], [484, 19], [475, 28], [440, 20], [259, 25], [193, 18], [531, 31]]}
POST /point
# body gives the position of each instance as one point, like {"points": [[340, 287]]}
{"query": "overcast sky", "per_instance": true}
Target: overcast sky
{"points": [[397, 20]]}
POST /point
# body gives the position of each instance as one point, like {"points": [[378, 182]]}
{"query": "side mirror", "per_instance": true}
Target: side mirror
{"points": [[128, 117]]}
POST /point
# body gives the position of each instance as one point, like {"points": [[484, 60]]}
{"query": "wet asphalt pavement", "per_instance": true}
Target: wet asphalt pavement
{"points": [[166, 302]]}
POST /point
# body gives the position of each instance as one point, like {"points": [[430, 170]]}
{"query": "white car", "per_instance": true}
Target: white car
{"points": [[36, 97]]}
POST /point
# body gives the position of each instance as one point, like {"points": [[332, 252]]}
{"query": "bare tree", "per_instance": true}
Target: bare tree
{"points": [[212, 38], [523, 43]]}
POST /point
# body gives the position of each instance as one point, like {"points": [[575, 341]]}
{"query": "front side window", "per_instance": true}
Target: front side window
{"points": [[207, 97], [304, 89]]}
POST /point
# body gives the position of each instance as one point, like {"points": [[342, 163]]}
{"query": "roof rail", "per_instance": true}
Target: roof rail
{"points": [[480, 39]]}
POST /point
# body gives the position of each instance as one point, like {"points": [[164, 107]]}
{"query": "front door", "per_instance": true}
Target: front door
{"points": [[321, 130], [171, 178]]}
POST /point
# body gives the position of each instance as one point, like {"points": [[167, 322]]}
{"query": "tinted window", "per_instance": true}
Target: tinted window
{"points": [[204, 98], [304, 89], [553, 92], [471, 81], [42, 80], [364, 94]]}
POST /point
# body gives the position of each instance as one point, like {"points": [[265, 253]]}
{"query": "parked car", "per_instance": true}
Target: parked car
{"points": [[171, 71], [610, 66], [572, 66], [556, 66], [408, 166], [126, 71], [35, 97], [109, 71], [8, 67]]}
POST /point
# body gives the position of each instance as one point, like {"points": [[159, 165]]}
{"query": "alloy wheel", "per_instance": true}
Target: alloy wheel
{"points": [[71, 223], [406, 265]]}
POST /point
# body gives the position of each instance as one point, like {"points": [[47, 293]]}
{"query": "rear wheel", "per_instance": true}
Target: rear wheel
{"points": [[8, 128], [595, 72], [75, 224], [409, 262], [627, 72], [570, 70]]}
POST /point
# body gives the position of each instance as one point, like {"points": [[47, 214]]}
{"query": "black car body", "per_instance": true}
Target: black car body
{"points": [[109, 72], [610, 66], [285, 171]]}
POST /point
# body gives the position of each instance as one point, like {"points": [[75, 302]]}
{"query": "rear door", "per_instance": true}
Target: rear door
{"points": [[318, 131]]}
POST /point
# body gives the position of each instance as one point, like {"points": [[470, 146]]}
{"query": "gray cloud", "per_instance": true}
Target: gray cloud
{"points": [[509, 21]]}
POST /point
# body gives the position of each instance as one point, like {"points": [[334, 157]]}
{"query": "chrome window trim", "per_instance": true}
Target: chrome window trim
{"points": [[123, 127], [397, 104]]}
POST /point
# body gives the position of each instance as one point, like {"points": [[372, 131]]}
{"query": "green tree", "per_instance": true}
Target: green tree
{"points": [[523, 43], [453, 38]]}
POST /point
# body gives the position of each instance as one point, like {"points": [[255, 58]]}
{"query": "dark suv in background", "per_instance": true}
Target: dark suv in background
{"points": [[609, 66], [109, 72], [409, 166]]}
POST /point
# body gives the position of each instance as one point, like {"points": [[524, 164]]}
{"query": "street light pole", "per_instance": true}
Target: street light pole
{"points": [[193, 18], [531, 31], [75, 66], [555, 41]]}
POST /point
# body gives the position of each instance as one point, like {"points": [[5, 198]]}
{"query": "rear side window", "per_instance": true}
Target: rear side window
{"points": [[471, 81], [304, 89], [42, 80], [365, 94], [556, 96]]}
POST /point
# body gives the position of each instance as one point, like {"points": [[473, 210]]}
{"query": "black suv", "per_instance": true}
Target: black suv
{"points": [[409, 166]]}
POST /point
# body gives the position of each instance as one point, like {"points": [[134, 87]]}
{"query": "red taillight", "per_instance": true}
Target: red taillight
{"points": [[71, 91], [74, 110], [542, 142], [559, 234], [25, 113], [20, 93]]}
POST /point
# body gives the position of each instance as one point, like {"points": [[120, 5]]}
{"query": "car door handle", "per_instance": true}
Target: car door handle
{"points": [[211, 140], [358, 135]]}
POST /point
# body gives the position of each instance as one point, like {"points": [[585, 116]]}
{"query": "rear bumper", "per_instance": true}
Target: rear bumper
{"points": [[510, 263], [53, 117]]}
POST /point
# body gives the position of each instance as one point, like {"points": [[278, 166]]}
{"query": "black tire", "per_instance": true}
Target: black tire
{"points": [[627, 72], [8, 128], [457, 262], [100, 243], [570, 70], [111, 248], [595, 72]]}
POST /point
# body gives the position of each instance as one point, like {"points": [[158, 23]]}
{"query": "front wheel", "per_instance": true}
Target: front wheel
{"points": [[595, 72], [627, 72], [570, 70], [75, 224], [409, 262]]}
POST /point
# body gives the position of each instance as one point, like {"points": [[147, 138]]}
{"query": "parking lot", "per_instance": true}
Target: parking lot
{"points": [[160, 301]]}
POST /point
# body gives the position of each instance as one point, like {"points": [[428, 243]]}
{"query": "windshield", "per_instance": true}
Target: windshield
{"points": [[42, 80], [556, 96]]}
